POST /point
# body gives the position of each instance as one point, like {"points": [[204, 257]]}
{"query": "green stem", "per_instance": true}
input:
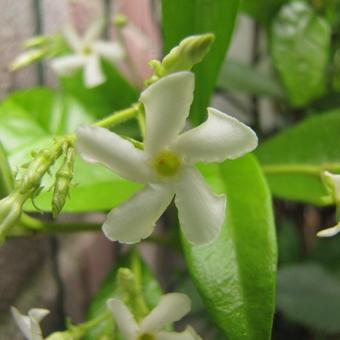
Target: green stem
{"points": [[119, 117], [6, 177], [305, 169]]}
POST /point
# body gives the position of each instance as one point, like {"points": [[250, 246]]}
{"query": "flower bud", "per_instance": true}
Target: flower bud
{"points": [[43, 160], [27, 58], [120, 20], [10, 212], [62, 184], [37, 41], [189, 52]]}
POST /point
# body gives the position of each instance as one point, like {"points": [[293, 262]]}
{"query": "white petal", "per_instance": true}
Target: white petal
{"points": [[201, 212], [125, 320], [38, 314], [99, 145], [22, 321], [94, 31], [167, 105], [171, 307], [188, 334], [109, 50], [72, 38], [220, 137], [67, 65], [329, 232], [93, 72], [136, 218]]}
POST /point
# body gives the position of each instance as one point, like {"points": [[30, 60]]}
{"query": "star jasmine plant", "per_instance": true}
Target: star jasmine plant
{"points": [[87, 53], [167, 164], [171, 307]]}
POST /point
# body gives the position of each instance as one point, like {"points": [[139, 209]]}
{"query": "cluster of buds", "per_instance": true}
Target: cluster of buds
{"points": [[28, 184], [38, 48], [183, 57], [63, 179]]}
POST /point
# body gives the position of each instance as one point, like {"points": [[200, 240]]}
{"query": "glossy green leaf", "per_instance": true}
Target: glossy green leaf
{"points": [[242, 78], [115, 94], [310, 295], [150, 290], [294, 159], [184, 18], [300, 47], [29, 120], [235, 275], [262, 10]]}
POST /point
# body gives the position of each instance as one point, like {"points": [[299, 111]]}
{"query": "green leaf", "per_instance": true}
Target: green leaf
{"points": [[300, 48], [184, 18], [29, 120], [115, 94], [310, 295], [235, 275], [262, 10], [239, 77], [150, 290], [294, 159]]}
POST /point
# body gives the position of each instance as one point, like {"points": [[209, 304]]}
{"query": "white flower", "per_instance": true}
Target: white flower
{"points": [[29, 324], [171, 307], [332, 183], [166, 165], [88, 51]]}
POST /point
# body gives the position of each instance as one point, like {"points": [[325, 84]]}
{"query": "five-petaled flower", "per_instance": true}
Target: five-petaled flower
{"points": [[171, 307], [332, 182], [166, 165], [88, 51], [29, 324]]}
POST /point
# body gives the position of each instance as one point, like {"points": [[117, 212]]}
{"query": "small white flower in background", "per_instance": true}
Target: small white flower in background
{"points": [[166, 165], [88, 51], [171, 308], [29, 324], [332, 182]]}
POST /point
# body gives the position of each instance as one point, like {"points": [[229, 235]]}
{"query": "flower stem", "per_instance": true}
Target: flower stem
{"points": [[306, 169], [119, 117]]}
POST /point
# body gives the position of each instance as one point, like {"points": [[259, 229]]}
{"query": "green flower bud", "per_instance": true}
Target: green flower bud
{"points": [[28, 58], [37, 41], [62, 184], [183, 57], [189, 52], [10, 212], [43, 160], [120, 20]]}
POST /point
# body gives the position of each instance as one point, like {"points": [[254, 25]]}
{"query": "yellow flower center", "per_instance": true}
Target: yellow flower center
{"points": [[167, 163], [87, 50], [146, 336]]}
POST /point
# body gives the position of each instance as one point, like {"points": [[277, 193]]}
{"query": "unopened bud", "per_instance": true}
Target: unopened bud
{"points": [[63, 179], [28, 58], [10, 212], [43, 160], [36, 41], [120, 20], [189, 52]]}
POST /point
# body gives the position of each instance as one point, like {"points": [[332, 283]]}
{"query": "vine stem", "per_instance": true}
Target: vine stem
{"points": [[305, 169]]}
